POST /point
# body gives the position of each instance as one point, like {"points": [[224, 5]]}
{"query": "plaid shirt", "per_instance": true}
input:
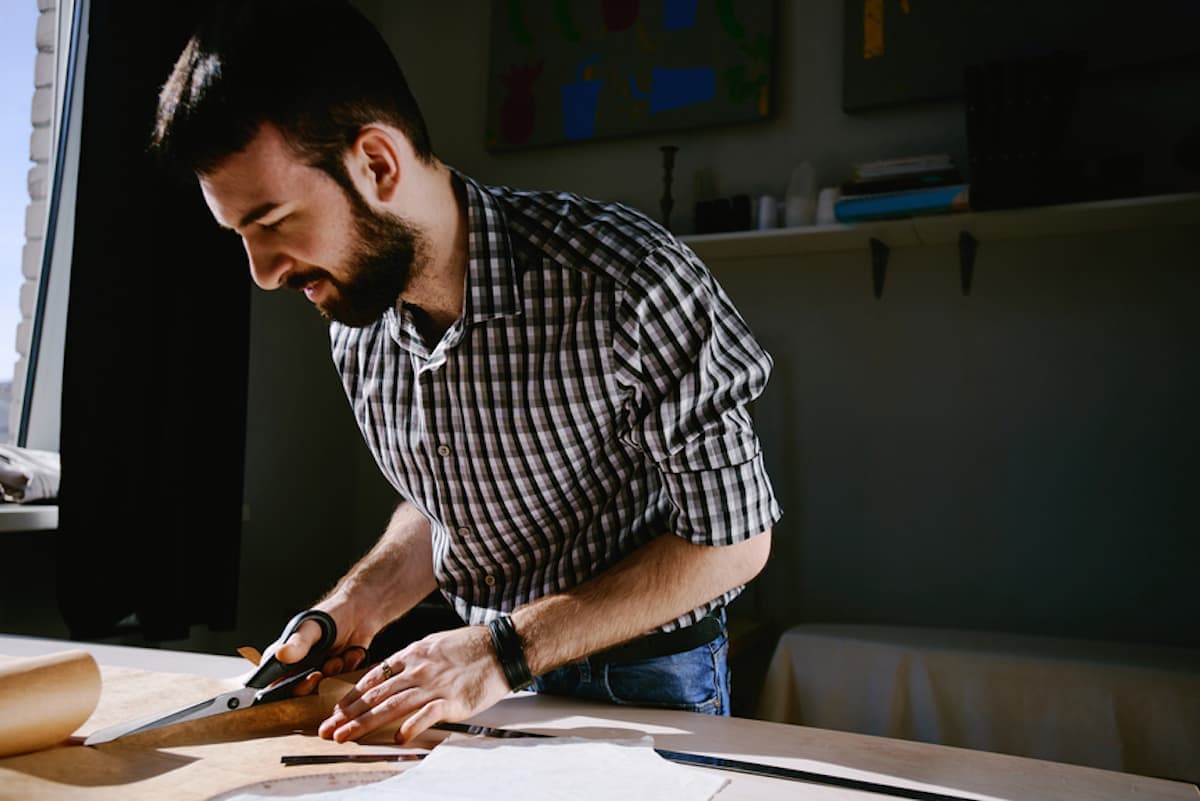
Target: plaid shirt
{"points": [[593, 395]]}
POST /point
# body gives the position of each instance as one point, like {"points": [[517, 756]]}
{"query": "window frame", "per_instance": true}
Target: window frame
{"points": [[40, 380]]}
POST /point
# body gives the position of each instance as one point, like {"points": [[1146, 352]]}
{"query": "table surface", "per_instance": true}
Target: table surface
{"points": [[194, 762]]}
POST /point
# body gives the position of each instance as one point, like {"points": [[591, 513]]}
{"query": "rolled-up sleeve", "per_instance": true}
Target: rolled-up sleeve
{"points": [[691, 368]]}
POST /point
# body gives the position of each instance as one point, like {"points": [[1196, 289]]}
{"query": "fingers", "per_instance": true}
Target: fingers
{"points": [[390, 710], [433, 712], [448, 675], [308, 685], [376, 686], [297, 646], [345, 661]]}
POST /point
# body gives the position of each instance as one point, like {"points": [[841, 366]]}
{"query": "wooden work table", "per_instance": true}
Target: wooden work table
{"points": [[203, 760]]}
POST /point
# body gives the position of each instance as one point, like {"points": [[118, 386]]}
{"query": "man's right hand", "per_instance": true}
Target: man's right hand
{"points": [[386, 583], [348, 653]]}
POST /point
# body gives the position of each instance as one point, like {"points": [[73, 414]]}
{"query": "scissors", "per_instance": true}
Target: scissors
{"points": [[258, 688]]}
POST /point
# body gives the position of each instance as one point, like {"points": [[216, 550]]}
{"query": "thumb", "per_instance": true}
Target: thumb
{"points": [[297, 646]]}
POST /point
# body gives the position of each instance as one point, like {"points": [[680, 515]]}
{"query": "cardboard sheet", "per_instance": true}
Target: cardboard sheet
{"points": [[44, 699]]}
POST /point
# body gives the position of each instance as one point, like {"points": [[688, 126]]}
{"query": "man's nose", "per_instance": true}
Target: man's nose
{"points": [[268, 266]]}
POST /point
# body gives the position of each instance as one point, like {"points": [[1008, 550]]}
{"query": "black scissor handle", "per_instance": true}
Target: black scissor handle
{"points": [[272, 670]]}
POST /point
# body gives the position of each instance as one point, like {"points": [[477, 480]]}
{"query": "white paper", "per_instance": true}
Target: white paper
{"points": [[542, 769]]}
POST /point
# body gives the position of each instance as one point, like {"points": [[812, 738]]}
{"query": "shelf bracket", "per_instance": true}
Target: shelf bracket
{"points": [[879, 260], [967, 246]]}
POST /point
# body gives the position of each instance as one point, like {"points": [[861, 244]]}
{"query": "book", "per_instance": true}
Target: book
{"points": [[908, 203], [902, 182], [901, 166]]}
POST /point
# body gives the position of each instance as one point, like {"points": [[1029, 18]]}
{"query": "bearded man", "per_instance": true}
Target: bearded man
{"points": [[556, 386]]}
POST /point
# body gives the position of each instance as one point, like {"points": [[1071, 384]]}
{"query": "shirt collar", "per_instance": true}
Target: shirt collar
{"points": [[491, 281], [490, 288]]}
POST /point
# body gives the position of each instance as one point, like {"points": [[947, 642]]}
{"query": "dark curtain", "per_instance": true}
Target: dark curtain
{"points": [[154, 383]]}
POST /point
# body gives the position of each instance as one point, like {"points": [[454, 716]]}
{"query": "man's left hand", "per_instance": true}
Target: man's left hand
{"points": [[447, 676]]}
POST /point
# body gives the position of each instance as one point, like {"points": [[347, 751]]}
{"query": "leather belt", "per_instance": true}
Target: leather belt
{"points": [[663, 643]]}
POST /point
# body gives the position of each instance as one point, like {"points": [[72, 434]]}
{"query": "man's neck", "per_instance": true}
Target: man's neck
{"points": [[435, 293]]}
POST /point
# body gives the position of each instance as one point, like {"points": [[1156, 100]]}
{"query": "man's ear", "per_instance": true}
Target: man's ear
{"points": [[375, 164]]}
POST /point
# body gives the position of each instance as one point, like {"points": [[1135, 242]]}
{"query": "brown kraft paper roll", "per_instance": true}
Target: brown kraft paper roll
{"points": [[44, 699]]}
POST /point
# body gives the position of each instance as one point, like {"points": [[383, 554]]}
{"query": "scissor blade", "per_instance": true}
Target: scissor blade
{"points": [[225, 702]]}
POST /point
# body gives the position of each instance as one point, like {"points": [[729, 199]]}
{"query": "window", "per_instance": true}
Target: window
{"points": [[18, 49], [46, 36]]}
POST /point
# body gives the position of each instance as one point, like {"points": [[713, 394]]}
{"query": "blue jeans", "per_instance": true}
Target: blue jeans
{"points": [[693, 681]]}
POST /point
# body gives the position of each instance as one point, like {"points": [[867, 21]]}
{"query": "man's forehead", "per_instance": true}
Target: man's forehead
{"points": [[250, 183]]}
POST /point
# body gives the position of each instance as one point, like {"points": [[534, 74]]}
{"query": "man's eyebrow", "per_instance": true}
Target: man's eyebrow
{"points": [[257, 213]]}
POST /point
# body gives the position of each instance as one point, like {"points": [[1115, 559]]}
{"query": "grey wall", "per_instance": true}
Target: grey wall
{"points": [[1021, 459], [448, 74]]}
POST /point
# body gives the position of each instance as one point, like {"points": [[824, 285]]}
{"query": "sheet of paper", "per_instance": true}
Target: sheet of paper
{"points": [[541, 769], [44, 699]]}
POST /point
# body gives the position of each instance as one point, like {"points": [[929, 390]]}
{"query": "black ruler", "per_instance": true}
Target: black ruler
{"points": [[739, 766]]}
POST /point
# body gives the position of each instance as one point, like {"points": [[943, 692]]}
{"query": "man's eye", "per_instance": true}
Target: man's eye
{"points": [[274, 226]]}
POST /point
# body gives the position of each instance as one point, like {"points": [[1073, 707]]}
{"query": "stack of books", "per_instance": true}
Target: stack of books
{"points": [[902, 187]]}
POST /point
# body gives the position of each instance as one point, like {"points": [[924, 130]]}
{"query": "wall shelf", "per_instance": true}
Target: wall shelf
{"points": [[1069, 218], [30, 517]]}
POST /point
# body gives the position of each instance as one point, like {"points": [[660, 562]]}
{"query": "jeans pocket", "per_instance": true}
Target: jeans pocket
{"points": [[692, 681]]}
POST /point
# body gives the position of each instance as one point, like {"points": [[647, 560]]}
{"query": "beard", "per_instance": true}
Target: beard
{"points": [[385, 250]]}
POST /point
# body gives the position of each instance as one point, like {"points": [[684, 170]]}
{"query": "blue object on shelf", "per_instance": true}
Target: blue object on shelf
{"points": [[933, 200]]}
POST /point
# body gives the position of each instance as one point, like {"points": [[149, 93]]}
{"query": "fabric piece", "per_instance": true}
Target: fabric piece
{"points": [[594, 394], [28, 475], [551, 769], [1123, 707]]}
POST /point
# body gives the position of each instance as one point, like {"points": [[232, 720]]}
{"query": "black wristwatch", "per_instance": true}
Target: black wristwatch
{"points": [[511, 654]]}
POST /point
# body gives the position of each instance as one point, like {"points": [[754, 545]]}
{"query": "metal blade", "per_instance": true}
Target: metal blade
{"points": [[225, 702]]}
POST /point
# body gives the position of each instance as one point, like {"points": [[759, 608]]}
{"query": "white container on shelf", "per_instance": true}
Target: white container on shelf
{"points": [[826, 201], [767, 215], [800, 200]]}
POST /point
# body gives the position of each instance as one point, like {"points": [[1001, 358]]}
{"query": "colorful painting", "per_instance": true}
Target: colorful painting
{"points": [[577, 70]]}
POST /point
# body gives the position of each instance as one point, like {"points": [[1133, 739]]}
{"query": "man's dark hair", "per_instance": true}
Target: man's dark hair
{"points": [[316, 69]]}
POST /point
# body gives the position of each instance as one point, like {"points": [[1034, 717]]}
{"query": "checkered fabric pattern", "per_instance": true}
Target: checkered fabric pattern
{"points": [[593, 395]]}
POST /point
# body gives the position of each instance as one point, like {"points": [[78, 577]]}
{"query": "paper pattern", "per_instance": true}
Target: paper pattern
{"points": [[542, 769]]}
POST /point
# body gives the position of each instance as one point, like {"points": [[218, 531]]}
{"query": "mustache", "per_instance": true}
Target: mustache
{"points": [[298, 281]]}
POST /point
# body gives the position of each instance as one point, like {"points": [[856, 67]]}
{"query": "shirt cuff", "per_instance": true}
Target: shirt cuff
{"points": [[723, 506]]}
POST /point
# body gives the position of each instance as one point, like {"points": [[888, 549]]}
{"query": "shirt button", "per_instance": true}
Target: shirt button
{"points": [[464, 532], [489, 580], [443, 450]]}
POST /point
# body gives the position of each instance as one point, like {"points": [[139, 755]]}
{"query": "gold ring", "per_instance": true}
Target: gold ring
{"points": [[387, 670]]}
